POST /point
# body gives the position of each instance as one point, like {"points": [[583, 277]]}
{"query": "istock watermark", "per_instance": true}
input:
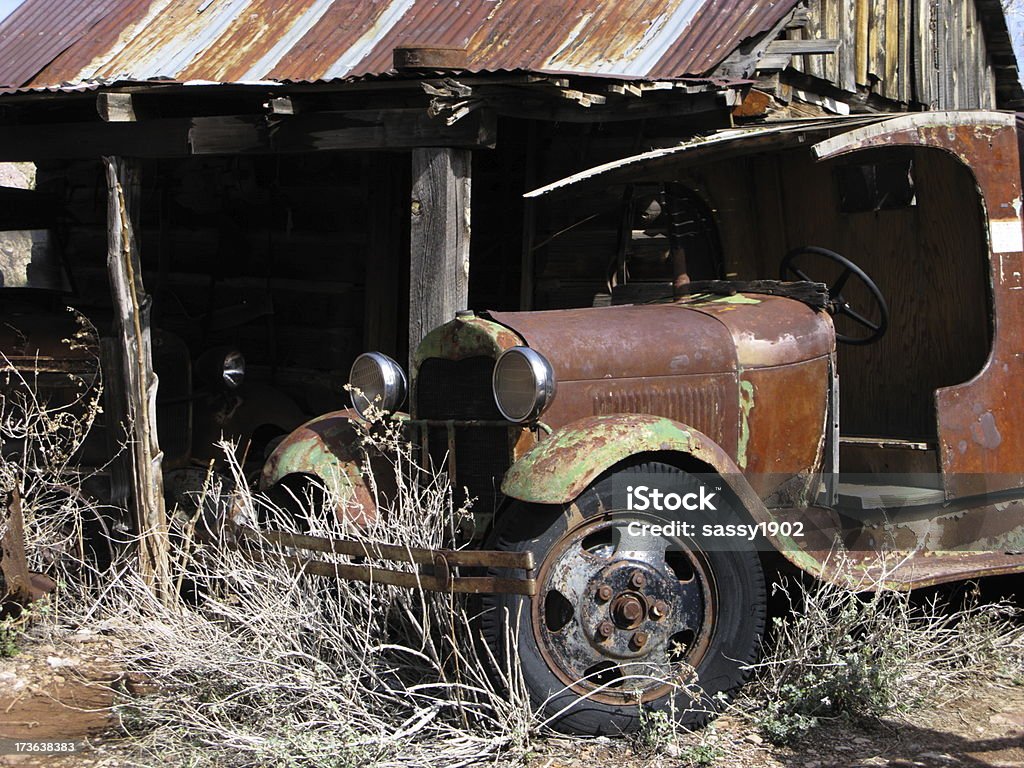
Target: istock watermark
{"points": [[689, 510], [870, 514], [643, 498]]}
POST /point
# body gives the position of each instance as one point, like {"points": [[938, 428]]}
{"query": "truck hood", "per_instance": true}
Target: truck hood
{"points": [[694, 335]]}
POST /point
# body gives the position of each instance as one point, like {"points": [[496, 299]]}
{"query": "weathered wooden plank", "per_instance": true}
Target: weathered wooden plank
{"points": [[943, 73], [803, 47], [115, 107], [439, 239], [876, 43], [970, 91], [239, 134], [892, 50], [355, 129], [132, 333], [905, 72], [922, 51], [847, 23], [861, 40], [56, 141], [828, 24]]}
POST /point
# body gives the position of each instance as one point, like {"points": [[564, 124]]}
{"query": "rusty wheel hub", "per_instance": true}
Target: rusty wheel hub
{"points": [[613, 608]]}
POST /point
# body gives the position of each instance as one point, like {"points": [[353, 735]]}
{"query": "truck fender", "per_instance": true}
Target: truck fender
{"points": [[557, 470], [328, 449], [561, 467]]}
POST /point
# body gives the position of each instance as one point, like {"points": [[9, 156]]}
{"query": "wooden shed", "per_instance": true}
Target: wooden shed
{"points": [[311, 179]]}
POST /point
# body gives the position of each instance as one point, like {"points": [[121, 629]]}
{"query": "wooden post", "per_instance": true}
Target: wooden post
{"points": [[439, 239], [133, 342], [389, 188]]}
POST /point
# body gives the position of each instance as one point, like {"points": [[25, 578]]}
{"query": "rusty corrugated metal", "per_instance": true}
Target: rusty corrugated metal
{"points": [[44, 43]]}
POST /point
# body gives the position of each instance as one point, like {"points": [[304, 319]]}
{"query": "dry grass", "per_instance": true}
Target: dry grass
{"points": [[864, 653], [259, 665], [39, 441], [256, 665]]}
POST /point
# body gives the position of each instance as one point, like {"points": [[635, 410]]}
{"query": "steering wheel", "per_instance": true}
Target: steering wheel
{"points": [[790, 268]]}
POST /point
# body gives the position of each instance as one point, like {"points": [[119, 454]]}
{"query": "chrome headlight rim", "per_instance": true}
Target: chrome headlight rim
{"points": [[395, 386], [543, 382], [232, 372]]}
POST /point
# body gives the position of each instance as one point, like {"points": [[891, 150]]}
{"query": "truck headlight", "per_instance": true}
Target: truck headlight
{"points": [[221, 366], [524, 384], [377, 380], [233, 369]]}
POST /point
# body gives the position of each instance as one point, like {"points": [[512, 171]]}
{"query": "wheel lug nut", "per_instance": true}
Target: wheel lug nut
{"points": [[639, 640], [632, 611], [637, 580], [604, 593], [659, 610], [605, 629]]}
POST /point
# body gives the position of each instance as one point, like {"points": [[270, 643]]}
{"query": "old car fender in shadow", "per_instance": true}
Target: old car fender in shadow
{"points": [[328, 449]]}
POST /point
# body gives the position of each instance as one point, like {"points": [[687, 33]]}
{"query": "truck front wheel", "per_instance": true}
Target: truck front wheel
{"points": [[624, 620]]}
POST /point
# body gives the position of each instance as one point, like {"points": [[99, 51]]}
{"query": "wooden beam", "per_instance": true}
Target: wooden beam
{"points": [[803, 47], [133, 339], [60, 141], [245, 134], [358, 129], [439, 239], [115, 107]]}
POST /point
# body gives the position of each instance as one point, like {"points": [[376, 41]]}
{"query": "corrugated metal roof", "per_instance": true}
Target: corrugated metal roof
{"points": [[51, 42]]}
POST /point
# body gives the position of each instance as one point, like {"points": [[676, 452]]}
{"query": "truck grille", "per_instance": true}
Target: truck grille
{"points": [[460, 390]]}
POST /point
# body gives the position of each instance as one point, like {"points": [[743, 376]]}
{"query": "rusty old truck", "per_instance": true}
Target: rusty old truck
{"points": [[840, 384]]}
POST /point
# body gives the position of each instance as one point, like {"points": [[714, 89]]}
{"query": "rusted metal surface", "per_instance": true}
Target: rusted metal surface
{"points": [[769, 330], [34, 340], [463, 338], [665, 164], [981, 443], [329, 448], [558, 469], [278, 546], [46, 42], [620, 602], [625, 341], [690, 361], [19, 584], [782, 435]]}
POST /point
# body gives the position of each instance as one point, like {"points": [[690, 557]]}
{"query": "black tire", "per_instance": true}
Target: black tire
{"points": [[731, 610]]}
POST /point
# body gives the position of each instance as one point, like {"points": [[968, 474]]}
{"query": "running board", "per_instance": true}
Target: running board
{"points": [[880, 497], [434, 570]]}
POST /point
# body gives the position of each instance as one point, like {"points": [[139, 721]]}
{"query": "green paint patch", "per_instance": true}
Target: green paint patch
{"points": [[746, 406], [736, 298], [562, 466]]}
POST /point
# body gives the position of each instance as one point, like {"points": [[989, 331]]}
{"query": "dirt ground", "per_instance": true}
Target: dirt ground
{"points": [[64, 692]]}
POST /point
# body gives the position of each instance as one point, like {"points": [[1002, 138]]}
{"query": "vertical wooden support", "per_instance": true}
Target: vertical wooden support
{"points": [[861, 42], [133, 342], [388, 186], [439, 239]]}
